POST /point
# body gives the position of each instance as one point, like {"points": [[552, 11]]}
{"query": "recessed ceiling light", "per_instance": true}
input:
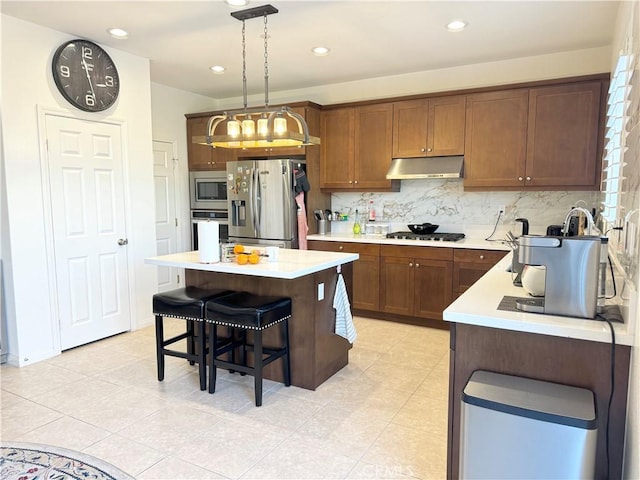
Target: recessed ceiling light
{"points": [[320, 51], [457, 25], [217, 69], [118, 33], [237, 3]]}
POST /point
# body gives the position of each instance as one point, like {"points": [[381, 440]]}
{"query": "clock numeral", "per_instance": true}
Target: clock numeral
{"points": [[90, 100], [64, 71], [108, 80], [87, 52]]}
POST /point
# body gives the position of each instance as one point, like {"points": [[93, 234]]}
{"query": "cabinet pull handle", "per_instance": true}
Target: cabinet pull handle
{"points": [[356, 182], [481, 257], [423, 149], [520, 179], [528, 179], [417, 265], [350, 182], [340, 247], [410, 264], [429, 149]]}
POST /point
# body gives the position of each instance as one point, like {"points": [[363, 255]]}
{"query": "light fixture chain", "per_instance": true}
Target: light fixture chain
{"points": [[266, 63], [244, 65]]}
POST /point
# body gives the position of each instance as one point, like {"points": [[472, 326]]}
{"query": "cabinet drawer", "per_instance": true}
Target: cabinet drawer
{"points": [[486, 257], [427, 253], [347, 247]]}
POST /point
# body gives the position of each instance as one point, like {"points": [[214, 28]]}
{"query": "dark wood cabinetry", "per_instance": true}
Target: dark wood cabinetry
{"points": [[415, 281], [366, 271], [470, 265], [356, 148], [204, 157], [430, 127], [542, 138]]}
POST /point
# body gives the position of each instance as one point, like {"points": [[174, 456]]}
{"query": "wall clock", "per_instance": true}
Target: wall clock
{"points": [[85, 75]]}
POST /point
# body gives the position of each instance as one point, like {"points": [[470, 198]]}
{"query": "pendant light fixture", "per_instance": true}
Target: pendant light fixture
{"points": [[257, 127]]}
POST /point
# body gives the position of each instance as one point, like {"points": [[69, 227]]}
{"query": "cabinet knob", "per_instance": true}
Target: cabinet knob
{"points": [[356, 182], [429, 149], [520, 179], [423, 149], [417, 265], [350, 182], [340, 247], [410, 264], [528, 179], [481, 257]]}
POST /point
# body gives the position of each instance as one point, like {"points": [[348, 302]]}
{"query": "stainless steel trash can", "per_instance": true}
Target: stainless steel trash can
{"points": [[514, 428]]}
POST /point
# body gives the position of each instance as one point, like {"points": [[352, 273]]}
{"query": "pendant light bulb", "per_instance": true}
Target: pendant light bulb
{"points": [[263, 128], [233, 128], [279, 125], [248, 128]]}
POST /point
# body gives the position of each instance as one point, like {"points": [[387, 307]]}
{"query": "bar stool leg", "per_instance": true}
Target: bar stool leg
{"points": [[202, 355], [286, 363], [213, 340], [257, 365], [190, 340], [159, 347]]}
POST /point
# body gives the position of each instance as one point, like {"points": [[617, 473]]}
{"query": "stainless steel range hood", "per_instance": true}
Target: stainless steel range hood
{"points": [[426, 167]]}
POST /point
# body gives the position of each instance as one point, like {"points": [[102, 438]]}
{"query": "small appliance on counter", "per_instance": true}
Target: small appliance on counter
{"points": [[571, 279]]}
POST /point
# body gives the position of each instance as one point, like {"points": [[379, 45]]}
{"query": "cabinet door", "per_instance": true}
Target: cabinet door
{"points": [[562, 142], [373, 140], [337, 148], [396, 284], [432, 288], [203, 157], [445, 127], [410, 128], [199, 156], [496, 139]]}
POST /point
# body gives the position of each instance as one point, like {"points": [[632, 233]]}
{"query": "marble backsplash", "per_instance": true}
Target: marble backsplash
{"points": [[444, 202]]}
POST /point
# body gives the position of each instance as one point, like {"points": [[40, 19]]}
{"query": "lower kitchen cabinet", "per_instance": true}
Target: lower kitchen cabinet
{"points": [[415, 281], [470, 265], [366, 271]]}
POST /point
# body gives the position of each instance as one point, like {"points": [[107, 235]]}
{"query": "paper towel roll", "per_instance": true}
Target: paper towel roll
{"points": [[209, 241]]}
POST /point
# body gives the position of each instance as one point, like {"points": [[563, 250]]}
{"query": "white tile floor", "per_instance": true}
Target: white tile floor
{"points": [[383, 416]]}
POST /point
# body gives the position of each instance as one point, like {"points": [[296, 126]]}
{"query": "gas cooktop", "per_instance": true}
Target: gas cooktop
{"points": [[439, 237]]}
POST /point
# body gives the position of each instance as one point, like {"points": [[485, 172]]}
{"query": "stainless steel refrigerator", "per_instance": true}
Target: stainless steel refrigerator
{"points": [[261, 198]]}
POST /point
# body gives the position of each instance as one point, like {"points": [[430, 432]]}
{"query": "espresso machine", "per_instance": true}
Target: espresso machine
{"points": [[571, 278]]}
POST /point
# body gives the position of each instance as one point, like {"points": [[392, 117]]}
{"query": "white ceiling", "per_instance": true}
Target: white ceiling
{"points": [[183, 39]]}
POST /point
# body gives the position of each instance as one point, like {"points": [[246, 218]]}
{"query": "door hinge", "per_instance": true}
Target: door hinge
{"points": [[178, 279]]}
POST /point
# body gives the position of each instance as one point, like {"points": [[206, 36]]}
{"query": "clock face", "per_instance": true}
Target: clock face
{"points": [[85, 75]]}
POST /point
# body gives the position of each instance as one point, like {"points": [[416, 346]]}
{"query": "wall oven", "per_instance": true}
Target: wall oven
{"points": [[220, 216], [208, 190]]}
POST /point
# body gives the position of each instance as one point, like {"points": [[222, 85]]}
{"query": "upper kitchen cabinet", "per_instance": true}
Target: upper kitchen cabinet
{"points": [[562, 137], [203, 157], [429, 127], [542, 138], [356, 148], [496, 139]]}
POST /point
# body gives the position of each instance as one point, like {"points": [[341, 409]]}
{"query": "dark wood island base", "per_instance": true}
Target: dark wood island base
{"points": [[316, 351]]}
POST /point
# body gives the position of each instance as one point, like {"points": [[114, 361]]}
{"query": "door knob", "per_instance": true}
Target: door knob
{"points": [[123, 241]]}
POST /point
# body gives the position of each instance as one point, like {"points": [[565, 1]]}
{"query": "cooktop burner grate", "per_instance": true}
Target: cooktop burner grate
{"points": [[439, 237]]}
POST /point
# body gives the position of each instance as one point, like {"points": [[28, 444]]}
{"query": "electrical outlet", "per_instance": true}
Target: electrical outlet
{"points": [[502, 210]]}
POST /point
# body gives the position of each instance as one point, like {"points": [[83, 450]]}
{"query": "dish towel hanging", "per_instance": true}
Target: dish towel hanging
{"points": [[344, 321], [303, 228]]}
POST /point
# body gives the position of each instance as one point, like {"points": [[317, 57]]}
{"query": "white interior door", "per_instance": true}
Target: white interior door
{"points": [[89, 234], [166, 219]]}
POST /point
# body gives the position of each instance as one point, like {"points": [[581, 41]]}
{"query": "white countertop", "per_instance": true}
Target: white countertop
{"points": [[478, 306], [291, 263], [469, 241]]}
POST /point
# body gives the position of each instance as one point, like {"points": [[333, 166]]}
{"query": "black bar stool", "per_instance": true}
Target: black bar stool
{"points": [[242, 311], [188, 304]]}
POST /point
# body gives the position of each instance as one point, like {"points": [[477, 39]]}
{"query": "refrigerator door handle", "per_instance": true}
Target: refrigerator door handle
{"points": [[255, 196]]}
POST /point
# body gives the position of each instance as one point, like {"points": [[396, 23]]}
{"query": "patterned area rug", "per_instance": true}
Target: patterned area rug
{"points": [[30, 461]]}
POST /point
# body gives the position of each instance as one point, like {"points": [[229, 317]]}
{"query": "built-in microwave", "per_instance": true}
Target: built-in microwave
{"points": [[208, 190]]}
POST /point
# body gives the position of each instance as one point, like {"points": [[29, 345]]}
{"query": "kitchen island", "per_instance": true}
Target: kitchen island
{"points": [[309, 279], [551, 348]]}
